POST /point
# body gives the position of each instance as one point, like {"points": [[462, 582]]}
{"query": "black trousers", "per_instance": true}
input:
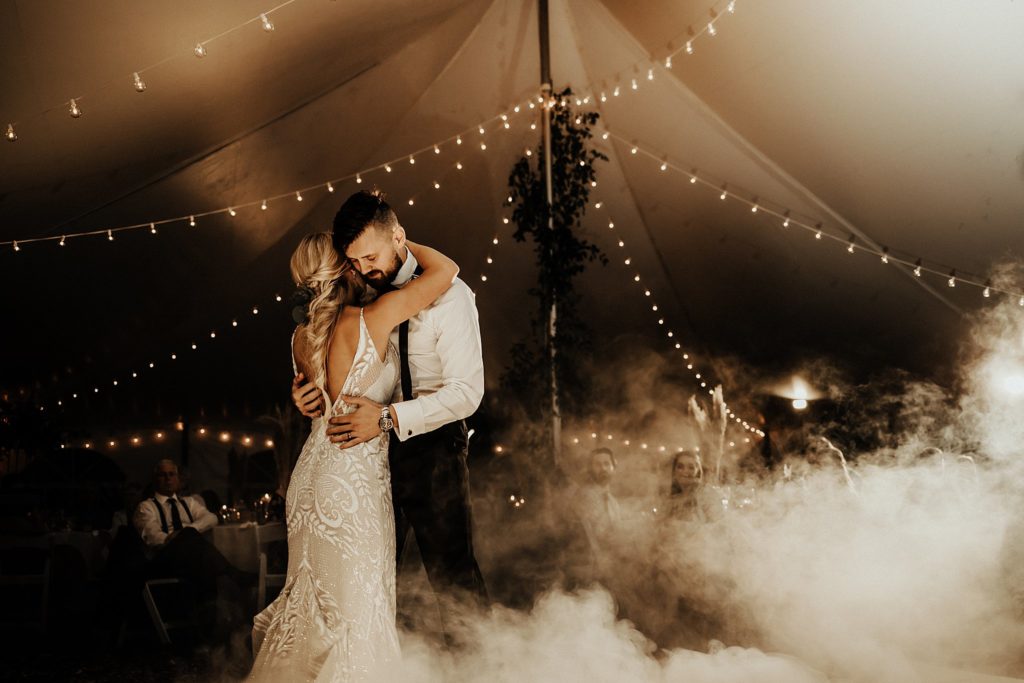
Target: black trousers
{"points": [[430, 491]]}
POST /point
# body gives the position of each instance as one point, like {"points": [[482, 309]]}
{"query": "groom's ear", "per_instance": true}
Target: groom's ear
{"points": [[399, 237]]}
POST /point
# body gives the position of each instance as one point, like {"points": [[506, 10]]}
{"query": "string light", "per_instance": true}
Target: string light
{"points": [[263, 205], [298, 195], [199, 50], [152, 228], [16, 247], [192, 221], [63, 239], [330, 187], [10, 134], [74, 109], [140, 85], [952, 278], [852, 240], [234, 213], [885, 254], [110, 235], [268, 25], [917, 268]]}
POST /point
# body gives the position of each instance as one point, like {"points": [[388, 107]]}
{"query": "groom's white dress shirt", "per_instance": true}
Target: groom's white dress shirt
{"points": [[445, 359]]}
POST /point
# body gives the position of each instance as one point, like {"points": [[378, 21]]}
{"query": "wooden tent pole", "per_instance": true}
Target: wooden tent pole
{"points": [[552, 335]]}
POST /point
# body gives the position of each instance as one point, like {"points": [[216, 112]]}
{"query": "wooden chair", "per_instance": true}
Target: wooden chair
{"points": [[162, 627], [265, 535]]}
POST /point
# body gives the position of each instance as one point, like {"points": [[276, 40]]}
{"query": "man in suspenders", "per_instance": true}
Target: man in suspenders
{"points": [[442, 383], [171, 526]]}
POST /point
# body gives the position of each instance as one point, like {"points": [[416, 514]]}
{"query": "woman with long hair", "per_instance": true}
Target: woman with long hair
{"points": [[335, 617]]}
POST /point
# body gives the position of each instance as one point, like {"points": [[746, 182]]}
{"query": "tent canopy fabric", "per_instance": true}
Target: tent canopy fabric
{"points": [[897, 125]]}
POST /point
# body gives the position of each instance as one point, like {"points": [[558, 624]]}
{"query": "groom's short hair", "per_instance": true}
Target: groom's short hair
{"points": [[360, 211]]}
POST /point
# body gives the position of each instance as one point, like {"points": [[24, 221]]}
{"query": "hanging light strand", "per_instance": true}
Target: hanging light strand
{"points": [[190, 218], [785, 217], [134, 76]]}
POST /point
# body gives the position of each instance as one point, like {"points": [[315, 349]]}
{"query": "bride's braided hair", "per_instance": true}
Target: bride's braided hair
{"points": [[316, 265]]}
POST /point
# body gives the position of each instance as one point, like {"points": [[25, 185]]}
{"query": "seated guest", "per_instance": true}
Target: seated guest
{"points": [[170, 526], [160, 518]]}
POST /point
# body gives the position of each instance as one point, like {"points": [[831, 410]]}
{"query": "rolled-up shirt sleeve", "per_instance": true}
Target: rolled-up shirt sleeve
{"points": [[457, 328], [203, 519]]}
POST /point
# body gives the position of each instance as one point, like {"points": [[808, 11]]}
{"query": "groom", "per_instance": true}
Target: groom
{"points": [[442, 384]]}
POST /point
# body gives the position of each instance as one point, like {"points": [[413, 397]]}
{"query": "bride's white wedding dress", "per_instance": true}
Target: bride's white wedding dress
{"points": [[335, 617]]}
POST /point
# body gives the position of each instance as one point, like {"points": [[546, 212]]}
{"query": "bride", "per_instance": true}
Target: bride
{"points": [[335, 617]]}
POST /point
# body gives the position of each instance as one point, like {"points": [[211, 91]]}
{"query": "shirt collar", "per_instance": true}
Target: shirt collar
{"points": [[162, 499], [407, 270]]}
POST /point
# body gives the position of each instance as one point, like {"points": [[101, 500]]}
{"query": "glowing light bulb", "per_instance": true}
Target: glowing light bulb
{"points": [[74, 109], [785, 220], [359, 179], [885, 255], [152, 228], [611, 225], [817, 235], [615, 93], [689, 47], [268, 25], [483, 146], [627, 261], [693, 179], [387, 167], [458, 165], [234, 323], [621, 243], [458, 139], [110, 235], [529, 153], [192, 221], [483, 278], [140, 85], [952, 278], [494, 241], [505, 220], [437, 150], [277, 298], [917, 268], [412, 160], [633, 83], [850, 248], [10, 134], [604, 136], [506, 125], [411, 201], [490, 260], [650, 74], [725, 193], [437, 185], [987, 292], [199, 50], [481, 129], [330, 187], [63, 238], [263, 205], [255, 310], [604, 98], [664, 166], [668, 62], [712, 31], [633, 150], [636, 278], [533, 126], [16, 247], [194, 347], [232, 212], [298, 195], [731, 7], [753, 209], [213, 335]]}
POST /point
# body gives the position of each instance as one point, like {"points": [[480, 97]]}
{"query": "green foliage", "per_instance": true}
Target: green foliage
{"points": [[561, 255]]}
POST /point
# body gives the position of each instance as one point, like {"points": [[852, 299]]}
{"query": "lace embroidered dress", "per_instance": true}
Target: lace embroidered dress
{"points": [[335, 617]]}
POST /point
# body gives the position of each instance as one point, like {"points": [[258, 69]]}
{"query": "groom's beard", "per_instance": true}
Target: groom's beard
{"points": [[379, 277]]}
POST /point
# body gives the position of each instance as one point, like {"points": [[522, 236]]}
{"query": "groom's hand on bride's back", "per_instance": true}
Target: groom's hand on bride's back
{"points": [[306, 397]]}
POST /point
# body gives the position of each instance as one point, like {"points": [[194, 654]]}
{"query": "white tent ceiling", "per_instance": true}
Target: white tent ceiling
{"points": [[900, 124]]}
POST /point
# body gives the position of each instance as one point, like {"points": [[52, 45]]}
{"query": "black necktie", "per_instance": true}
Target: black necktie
{"points": [[175, 515]]}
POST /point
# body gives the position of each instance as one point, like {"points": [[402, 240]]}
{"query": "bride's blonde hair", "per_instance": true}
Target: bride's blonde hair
{"points": [[316, 265]]}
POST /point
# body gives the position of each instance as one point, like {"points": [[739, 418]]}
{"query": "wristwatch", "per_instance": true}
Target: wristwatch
{"points": [[386, 424]]}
